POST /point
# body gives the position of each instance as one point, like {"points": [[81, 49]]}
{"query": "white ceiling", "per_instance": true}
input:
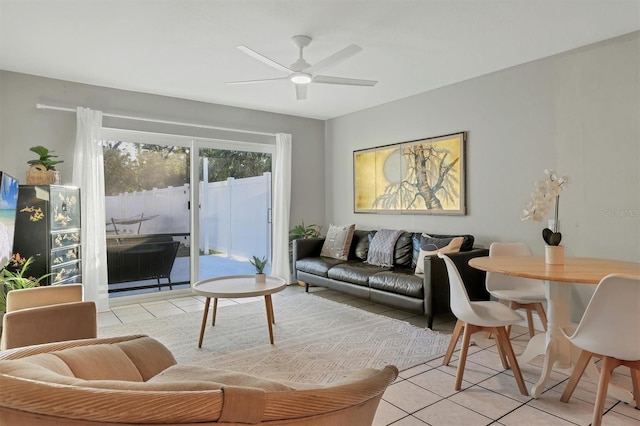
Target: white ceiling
{"points": [[186, 48]]}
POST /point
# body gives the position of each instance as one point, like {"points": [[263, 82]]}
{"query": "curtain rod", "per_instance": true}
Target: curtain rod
{"points": [[153, 120]]}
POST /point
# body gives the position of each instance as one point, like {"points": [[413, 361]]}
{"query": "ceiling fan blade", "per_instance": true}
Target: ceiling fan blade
{"points": [[325, 79], [264, 80], [301, 91], [334, 59], [264, 59]]}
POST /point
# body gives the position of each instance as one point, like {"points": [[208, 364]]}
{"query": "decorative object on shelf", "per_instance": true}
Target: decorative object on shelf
{"points": [[43, 170], [547, 192], [424, 176], [13, 277], [259, 264]]}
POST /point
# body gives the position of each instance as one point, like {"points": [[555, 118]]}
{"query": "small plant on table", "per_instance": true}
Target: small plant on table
{"points": [[259, 264]]}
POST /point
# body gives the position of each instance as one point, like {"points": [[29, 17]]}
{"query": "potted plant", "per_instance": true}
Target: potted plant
{"points": [[43, 169], [300, 232], [547, 194], [259, 264], [16, 279]]}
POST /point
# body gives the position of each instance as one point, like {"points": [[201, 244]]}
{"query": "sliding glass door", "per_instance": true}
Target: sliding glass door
{"points": [[235, 210], [152, 242], [147, 214]]}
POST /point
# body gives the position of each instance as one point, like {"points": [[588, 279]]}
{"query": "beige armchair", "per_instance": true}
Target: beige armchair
{"points": [[136, 380], [47, 314]]}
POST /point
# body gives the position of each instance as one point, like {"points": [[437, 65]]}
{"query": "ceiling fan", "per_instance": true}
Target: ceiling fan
{"points": [[302, 73]]}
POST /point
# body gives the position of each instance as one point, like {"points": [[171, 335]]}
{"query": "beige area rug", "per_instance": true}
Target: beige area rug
{"points": [[316, 340]]}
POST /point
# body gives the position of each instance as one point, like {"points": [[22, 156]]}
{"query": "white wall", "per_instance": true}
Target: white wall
{"points": [[577, 112], [23, 126]]}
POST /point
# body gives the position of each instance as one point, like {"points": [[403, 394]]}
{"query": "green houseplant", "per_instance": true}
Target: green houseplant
{"points": [[259, 264], [46, 158], [301, 232], [43, 169], [298, 232], [10, 280]]}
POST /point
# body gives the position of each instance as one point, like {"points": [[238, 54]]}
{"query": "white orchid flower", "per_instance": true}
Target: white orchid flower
{"points": [[546, 193]]}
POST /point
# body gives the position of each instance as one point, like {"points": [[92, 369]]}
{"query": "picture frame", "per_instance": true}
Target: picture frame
{"points": [[425, 176]]}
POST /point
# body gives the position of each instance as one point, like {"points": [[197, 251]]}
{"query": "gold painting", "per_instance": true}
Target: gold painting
{"points": [[425, 176]]}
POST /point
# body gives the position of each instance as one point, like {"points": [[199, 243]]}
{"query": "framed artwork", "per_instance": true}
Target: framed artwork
{"points": [[425, 176]]}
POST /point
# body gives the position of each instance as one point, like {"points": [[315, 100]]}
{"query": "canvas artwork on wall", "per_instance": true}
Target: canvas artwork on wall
{"points": [[8, 205], [426, 176]]}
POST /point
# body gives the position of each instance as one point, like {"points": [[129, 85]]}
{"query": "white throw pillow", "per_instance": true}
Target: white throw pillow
{"points": [[453, 247]]}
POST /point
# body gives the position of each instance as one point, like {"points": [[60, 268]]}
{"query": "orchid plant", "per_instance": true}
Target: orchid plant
{"points": [[547, 192]]}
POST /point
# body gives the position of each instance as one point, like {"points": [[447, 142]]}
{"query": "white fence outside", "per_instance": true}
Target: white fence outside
{"points": [[235, 215]]}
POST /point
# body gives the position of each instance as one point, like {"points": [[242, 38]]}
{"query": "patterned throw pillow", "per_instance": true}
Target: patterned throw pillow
{"points": [[435, 246], [338, 241]]}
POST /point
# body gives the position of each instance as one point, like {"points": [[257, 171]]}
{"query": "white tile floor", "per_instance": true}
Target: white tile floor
{"points": [[424, 395]]}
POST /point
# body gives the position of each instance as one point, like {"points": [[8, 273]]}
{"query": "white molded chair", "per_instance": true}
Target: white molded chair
{"points": [[609, 330], [489, 316], [521, 293]]}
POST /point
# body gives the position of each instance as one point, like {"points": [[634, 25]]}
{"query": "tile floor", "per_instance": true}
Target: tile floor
{"points": [[424, 395]]}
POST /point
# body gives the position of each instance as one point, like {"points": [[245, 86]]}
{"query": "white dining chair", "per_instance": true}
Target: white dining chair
{"points": [[473, 317], [521, 293], [609, 330]]}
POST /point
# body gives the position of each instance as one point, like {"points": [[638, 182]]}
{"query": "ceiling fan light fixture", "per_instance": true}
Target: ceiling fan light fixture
{"points": [[300, 78]]}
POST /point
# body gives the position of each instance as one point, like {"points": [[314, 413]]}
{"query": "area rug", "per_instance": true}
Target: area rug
{"points": [[316, 340]]}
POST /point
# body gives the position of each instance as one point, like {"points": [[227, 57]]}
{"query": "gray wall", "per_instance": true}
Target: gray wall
{"points": [[23, 126], [577, 112]]}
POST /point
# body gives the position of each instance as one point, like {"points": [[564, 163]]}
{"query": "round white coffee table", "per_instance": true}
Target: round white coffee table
{"points": [[236, 286]]}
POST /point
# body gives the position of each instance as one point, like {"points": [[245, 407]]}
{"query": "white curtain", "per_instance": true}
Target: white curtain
{"points": [[88, 174], [281, 207]]}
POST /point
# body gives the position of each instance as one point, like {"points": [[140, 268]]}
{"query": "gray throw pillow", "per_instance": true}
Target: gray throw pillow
{"points": [[338, 241]]}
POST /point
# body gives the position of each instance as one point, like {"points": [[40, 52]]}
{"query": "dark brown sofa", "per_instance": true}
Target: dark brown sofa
{"points": [[396, 286]]}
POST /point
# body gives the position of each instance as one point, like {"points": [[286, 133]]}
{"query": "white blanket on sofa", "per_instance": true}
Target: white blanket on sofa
{"points": [[382, 247]]}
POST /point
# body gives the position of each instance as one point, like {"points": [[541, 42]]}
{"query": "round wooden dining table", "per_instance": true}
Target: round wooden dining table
{"points": [[554, 345]]}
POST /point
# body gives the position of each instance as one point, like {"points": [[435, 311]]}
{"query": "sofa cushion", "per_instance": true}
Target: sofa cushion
{"points": [[360, 245], [467, 243], [402, 254], [114, 363], [438, 244], [338, 241], [317, 265], [31, 368], [382, 246], [354, 272], [138, 352], [403, 250], [195, 373], [401, 281]]}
